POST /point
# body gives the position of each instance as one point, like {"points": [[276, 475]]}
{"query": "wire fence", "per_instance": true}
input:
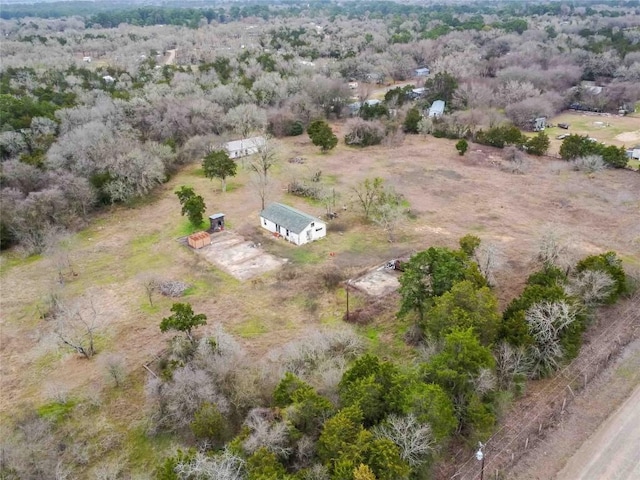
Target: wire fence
{"points": [[547, 406]]}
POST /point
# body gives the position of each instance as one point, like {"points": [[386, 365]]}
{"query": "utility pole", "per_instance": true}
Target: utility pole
{"points": [[346, 287], [480, 458]]}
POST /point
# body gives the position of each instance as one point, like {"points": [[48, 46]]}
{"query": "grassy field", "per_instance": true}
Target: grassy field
{"points": [[607, 128], [448, 196]]}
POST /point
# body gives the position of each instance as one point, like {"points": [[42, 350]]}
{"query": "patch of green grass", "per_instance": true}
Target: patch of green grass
{"points": [[232, 187], [92, 230], [144, 450], [635, 164], [329, 180], [56, 411], [357, 242], [13, 259], [372, 334], [186, 228], [151, 309], [145, 241], [251, 328], [197, 172], [305, 256]]}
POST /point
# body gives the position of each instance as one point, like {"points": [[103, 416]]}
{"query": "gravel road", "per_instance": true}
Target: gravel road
{"points": [[613, 452]]}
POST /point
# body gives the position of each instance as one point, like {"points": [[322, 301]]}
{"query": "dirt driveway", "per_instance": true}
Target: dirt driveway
{"points": [[613, 452]]}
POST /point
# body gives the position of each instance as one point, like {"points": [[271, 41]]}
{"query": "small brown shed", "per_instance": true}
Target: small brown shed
{"points": [[199, 240]]}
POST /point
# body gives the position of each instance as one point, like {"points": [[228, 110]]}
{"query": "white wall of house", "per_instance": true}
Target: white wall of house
{"points": [[313, 231]]}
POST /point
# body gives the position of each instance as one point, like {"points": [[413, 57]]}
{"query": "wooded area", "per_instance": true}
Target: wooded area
{"points": [[103, 104]]}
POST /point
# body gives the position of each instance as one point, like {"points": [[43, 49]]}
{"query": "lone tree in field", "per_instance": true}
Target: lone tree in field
{"points": [[412, 121], [260, 167], [462, 146], [218, 164], [192, 205], [76, 328], [183, 320], [321, 135]]}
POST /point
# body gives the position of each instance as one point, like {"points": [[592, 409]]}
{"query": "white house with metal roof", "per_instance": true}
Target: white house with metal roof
{"points": [[437, 108], [292, 224], [244, 147]]}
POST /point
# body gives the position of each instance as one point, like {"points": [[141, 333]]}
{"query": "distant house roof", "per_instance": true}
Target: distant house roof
{"points": [[288, 217], [437, 108], [422, 71], [245, 144], [419, 90], [372, 102], [216, 216]]}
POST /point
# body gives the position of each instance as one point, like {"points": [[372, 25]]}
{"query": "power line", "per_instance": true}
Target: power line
{"points": [[630, 314]]}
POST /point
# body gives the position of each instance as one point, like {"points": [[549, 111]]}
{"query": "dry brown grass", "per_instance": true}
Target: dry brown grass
{"points": [[449, 195]]}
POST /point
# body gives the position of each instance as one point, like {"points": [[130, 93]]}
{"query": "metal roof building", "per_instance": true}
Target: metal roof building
{"points": [[292, 224], [437, 108]]}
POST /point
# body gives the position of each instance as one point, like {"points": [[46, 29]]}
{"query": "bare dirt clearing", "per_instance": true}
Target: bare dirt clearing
{"points": [[242, 259], [378, 282]]}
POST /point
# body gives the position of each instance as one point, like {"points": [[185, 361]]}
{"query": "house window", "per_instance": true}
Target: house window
{"points": [[312, 224], [265, 222], [287, 232]]}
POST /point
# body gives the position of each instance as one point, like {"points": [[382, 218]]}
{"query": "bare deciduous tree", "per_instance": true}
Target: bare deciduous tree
{"points": [[512, 363], [245, 119], [589, 164], [551, 251], [76, 327], [151, 284], [224, 466], [115, 368], [267, 432], [591, 286], [413, 438], [489, 258], [546, 322], [260, 167]]}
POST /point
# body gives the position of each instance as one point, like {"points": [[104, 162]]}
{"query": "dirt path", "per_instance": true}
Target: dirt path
{"points": [[613, 452], [171, 59]]}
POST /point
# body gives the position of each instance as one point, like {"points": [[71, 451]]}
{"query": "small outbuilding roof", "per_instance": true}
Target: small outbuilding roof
{"points": [[245, 144], [288, 217], [437, 108], [216, 216]]}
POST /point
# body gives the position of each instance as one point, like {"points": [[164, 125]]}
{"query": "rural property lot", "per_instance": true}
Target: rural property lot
{"points": [[621, 131], [448, 196]]}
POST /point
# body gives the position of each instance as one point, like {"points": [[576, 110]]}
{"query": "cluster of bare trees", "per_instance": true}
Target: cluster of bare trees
{"points": [[126, 134]]}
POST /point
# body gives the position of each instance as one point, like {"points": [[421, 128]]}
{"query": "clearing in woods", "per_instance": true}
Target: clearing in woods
{"points": [[621, 131], [449, 196]]}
